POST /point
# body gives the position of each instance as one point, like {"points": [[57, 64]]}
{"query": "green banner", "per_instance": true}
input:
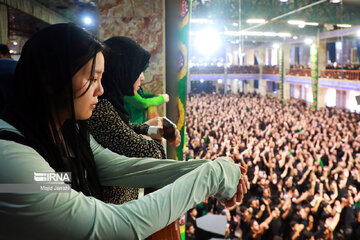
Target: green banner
{"points": [[314, 73], [184, 28], [282, 75]]}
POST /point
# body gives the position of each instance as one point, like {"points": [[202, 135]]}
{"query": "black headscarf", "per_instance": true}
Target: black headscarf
{"points": [[43, 91], [124, 63]]}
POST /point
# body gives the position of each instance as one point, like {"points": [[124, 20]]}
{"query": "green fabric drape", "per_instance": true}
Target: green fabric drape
{"points": [[184, 27]]}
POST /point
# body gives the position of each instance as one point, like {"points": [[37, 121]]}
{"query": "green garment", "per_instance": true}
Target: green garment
{"points": [[136, 105], [71, 215]]}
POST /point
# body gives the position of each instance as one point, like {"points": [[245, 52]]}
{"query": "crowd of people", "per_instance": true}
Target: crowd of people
{"points": [[303, 165]]}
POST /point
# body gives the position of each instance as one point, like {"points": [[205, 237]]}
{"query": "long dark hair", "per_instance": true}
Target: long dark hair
{"points": [[43, 92]]}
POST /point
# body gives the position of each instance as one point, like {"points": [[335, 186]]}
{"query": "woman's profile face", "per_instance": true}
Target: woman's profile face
{"points": [[85, 97], [137, 84]]}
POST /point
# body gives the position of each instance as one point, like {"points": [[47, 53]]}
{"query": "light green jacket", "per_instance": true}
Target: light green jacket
{"points": [[75, 216]]}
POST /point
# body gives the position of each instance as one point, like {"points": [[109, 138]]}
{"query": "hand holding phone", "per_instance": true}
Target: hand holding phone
{"points": [[169, 129]]}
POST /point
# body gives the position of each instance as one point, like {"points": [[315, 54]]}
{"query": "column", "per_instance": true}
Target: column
{"points": [[281, 73], [287, 60], [234, 86], [322, 56], [321, 67], [261, 59], [262, 87], [321, 97], [249, 86], [249, 57], [314, 73], [3, 24], [286, 91]]}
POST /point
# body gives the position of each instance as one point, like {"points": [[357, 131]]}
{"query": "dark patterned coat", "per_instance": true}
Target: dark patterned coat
{"points": [[110, 131]]}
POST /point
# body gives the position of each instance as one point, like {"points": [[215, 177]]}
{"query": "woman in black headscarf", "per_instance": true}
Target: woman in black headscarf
{"points": [[57, 85], [110, 123]]}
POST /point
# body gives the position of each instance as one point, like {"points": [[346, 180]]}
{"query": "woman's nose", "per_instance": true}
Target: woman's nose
{"points": [[100, 89]]}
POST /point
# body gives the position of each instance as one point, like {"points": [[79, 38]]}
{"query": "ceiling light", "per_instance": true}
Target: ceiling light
{"points": [[311, 23], [15, 43], [308, 41], [335, 1], [283, 0], [87, 20], [284, 34], [235, 24], [202, 80], [301, 25], [270, 34], [256, 20], [254, 33], [358, 33], [207, 41], [276, 46], [296, 22], [201, 20], [232, 33], [295, 37], [220, 81], [343, 25]]}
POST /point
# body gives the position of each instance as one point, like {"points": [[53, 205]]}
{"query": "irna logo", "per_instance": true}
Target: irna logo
{"points": [[52, 177]]}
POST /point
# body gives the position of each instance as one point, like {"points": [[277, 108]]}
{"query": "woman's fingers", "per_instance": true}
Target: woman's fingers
{"points": [[231, 202], [176, 142], [243, 170], [240, 192]]}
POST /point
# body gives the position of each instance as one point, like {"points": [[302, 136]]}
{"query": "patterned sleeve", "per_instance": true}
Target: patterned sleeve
{"points": [[110, 131], [139, 128]]}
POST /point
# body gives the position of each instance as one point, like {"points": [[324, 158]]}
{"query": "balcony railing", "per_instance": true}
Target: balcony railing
{"points": [[306, 72], [299, 72], [270, 70], [341, 74]]}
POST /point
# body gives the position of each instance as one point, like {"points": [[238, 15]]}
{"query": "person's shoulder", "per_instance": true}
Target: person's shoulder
{"points": [[104, 106], [8, 61], [105, 113], [18, 161], [5, 126]]}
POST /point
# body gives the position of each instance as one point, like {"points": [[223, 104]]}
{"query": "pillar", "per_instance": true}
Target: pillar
{"points": [[281, 73], [4, 24], [234, 86], [262, 87], [314, 73], [321, 97], [286, 91]]}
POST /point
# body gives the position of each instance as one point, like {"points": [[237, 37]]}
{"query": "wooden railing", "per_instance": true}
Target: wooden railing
{"points": [[341, 74], [327, 73], [270, 70], [299, 72]]}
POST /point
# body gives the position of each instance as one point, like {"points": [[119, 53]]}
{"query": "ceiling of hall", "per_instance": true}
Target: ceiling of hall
{"points": [[231, 16], [226, 16], [71, 9]]}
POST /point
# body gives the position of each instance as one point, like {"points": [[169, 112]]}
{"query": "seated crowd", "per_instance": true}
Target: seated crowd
{"points": [[303, 165]]}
